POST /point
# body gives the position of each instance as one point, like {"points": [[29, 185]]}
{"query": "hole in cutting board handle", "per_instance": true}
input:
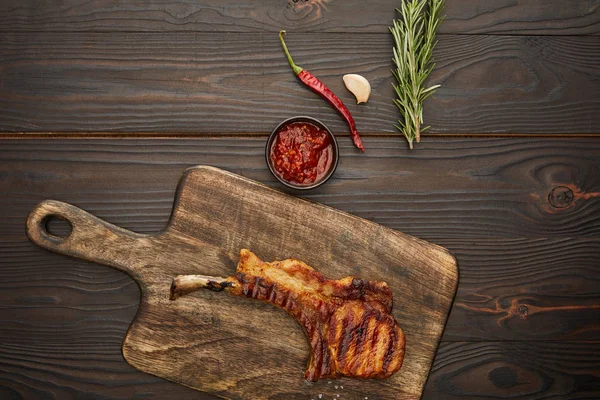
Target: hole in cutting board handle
{"points": [[57, 227]]}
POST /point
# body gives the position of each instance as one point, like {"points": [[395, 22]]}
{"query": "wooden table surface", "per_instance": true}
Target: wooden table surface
{"points": [[104, 104]]}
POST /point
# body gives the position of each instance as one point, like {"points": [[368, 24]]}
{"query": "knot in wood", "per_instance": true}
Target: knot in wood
{"points": [[503, 377], [560, 197], [523, 310]]}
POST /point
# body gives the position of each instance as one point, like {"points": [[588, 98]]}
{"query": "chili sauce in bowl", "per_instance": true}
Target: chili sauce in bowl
{"points": [[302, 153]]}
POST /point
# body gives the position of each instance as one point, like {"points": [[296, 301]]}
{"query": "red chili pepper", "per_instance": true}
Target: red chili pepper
{"points": [[316, 85]]}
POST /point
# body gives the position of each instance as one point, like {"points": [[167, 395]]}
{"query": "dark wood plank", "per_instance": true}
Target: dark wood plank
{"points": [[526, 289], [447, 188], [554, 17], [209, 83], [61, 337], [515, 370]]}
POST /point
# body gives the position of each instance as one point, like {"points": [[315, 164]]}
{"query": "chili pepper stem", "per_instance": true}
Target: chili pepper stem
{"points": [[296, 68]]}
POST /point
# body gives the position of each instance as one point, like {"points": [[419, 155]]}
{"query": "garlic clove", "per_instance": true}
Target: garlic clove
{"points": [[359, 86]]}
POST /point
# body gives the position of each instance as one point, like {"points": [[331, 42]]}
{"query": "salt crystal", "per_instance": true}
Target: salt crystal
{"points": [[321, 396], [336, 386]]}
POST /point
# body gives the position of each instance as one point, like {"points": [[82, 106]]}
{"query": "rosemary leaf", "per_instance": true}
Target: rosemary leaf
{"points": [[414, 40]]}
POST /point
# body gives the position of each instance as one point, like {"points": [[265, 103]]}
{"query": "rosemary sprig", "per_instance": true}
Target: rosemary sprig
{"points": [[414, 41]]}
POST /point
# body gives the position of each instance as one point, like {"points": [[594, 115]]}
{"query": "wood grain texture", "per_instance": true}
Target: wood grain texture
{"points": [[215, 83], [447, 188], [516, 370], [526, 289], [548, 17], [235, 347]]}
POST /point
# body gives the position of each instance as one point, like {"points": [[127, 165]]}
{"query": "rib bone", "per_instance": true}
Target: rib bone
{"points": [[184, 284]]}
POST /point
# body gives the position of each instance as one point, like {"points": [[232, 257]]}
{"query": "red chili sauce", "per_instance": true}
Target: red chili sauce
{"points": [[302, 153]]}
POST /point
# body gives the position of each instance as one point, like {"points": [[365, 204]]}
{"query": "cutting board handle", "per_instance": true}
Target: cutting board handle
{"points": [[90, 238]]}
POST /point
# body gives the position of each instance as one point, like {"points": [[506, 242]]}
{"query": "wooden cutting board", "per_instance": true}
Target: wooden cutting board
{"points": [[240, 348]]}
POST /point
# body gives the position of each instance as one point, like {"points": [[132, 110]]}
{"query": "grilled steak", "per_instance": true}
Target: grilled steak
{"points": [[348, 322]]}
